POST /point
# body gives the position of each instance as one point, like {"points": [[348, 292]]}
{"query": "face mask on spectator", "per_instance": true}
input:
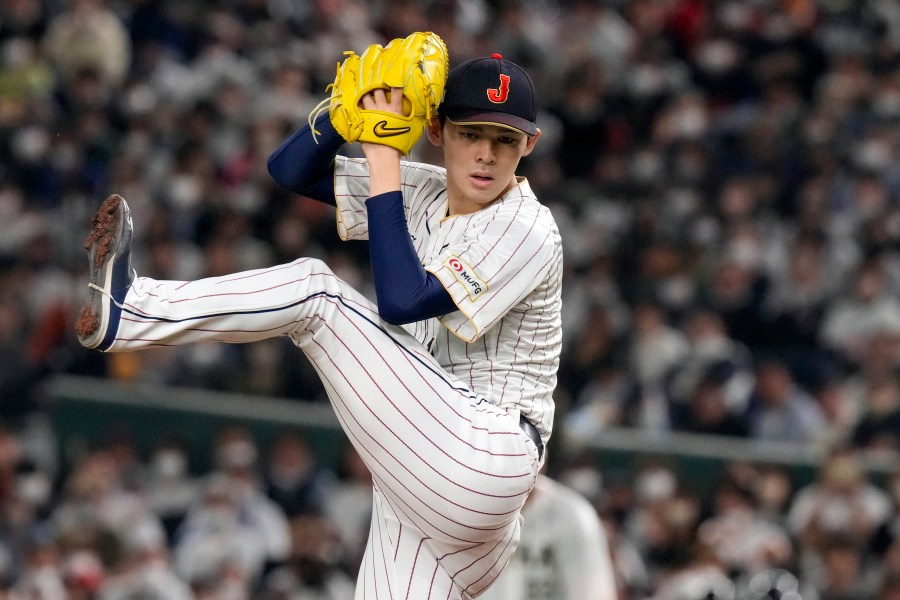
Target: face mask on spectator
{"points": [[236, 454], [184, 191], [34, 488], [219, 518], [169, 464]]}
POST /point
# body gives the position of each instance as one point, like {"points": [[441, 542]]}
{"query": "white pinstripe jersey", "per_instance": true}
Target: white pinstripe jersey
{"points": [[503, 267]]}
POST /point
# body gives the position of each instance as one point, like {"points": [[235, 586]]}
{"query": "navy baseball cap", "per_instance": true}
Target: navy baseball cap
{"points": [[490, 91]]}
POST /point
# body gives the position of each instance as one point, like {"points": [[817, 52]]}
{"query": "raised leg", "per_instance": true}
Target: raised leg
{"points": [[449, 468]]}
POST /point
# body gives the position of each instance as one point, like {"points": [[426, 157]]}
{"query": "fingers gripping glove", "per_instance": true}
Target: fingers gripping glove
{"points": [[418, 64]]}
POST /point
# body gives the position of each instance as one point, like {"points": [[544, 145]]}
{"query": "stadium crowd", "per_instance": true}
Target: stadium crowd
{"points": [[725, 175]]}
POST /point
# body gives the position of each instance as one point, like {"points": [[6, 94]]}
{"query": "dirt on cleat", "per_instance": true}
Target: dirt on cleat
{"points": [[102, 228], [87, 323]]}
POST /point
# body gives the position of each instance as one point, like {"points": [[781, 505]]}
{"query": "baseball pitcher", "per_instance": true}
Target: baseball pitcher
{"points": [[444, 386]]}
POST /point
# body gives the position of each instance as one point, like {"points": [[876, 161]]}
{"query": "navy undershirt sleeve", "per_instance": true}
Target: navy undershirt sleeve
{"points": [[306, 167], [405, 291]]}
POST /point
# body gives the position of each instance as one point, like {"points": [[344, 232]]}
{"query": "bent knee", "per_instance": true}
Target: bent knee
{"points": [[311, 265]]}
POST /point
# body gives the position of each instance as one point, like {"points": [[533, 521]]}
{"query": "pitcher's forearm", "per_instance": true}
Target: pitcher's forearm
{"points": [[384, 168]]}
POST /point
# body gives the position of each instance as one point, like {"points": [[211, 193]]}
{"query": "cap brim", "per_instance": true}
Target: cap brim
{"points": [[493, 118]]}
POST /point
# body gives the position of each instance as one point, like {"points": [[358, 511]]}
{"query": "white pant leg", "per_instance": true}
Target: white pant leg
{"points": [[242, 307], [401, 562], [453, 468]]}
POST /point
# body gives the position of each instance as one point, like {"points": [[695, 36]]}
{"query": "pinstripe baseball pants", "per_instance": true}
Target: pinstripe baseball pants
{"points": [[450, 471]]}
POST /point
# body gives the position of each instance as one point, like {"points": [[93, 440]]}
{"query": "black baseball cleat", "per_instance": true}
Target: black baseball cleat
{"points": [[109, 251]]}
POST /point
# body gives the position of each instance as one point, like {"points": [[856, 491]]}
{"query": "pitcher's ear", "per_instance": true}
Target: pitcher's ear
{"points": [[531, 141], [434, 133]]}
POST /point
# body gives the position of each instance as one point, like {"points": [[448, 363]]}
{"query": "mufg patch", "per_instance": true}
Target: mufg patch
{"points": [[467, 277]]}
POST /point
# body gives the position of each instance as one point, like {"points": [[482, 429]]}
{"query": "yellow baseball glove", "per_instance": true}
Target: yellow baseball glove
{"points": [[418, 64]]}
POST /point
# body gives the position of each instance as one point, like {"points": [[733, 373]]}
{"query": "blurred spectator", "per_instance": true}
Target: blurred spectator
{"points": [[774, 490], [118, 444], [801, 291], [22, 18], [19, 506], [584, 119], [145, 571], [41, 573], [663, 523], [707, 411], [593, 350], [582, 474], [169, 486], [884, 543], [17, 372], [628, 565], [845, 572], [235, 457], [712, 354], [25, 75], [292, 478], [780, 410], [606, 401], [656, 346], [739, 536], [88, 36], [877, 432], [289, 99], [838, 409], [25, 503], [736, 291], [97, 508], [311, 571], [842, 502], [879, 361], [869, 308], [83, 575], [215, 545]]}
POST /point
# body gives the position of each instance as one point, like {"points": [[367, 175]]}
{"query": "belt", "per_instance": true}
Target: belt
{"points": [[532, 432]]}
